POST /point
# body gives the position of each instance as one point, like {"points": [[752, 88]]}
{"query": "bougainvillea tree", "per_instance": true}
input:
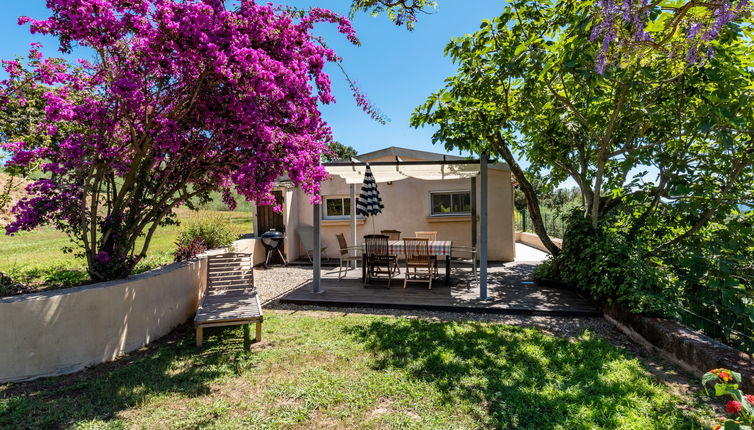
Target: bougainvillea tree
{"points": [[182, 99]]}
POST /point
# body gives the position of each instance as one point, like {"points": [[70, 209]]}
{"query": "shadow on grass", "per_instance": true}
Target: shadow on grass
{"points": [[508, 377], [171, 365]]}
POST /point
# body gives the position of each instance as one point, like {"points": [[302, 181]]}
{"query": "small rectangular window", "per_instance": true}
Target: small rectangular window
{"points": [[450, 203], [336, 207]]}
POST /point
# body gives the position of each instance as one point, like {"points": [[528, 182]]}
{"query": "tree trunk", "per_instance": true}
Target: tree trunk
{"points": [[526, 187]]}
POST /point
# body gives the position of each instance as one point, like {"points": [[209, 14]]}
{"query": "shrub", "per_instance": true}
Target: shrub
{"points": [[602, 264], [199, 236], [188, 250]]}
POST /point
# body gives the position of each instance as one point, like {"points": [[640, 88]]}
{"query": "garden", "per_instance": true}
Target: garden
{"points": [[150, 148], [329, 370]]}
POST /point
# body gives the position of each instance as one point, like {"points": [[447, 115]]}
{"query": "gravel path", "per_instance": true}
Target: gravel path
{"points": [[276, 282]]}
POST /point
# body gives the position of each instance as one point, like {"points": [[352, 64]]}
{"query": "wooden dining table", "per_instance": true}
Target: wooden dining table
{"points": [[437, 248]]}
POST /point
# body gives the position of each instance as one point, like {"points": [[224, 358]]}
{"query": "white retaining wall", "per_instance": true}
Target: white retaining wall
{"points": [[64, 331]]}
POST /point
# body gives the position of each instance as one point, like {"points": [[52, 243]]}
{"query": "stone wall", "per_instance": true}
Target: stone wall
{"points": [[691, 350]]}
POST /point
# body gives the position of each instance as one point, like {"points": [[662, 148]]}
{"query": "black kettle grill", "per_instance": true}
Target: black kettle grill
{"points": [[272, 241]]}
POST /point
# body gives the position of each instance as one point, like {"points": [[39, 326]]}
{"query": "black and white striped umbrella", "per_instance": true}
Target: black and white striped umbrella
{"points": [[370, 202]]}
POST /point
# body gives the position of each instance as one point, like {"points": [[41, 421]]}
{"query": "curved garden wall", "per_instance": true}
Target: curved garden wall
{"points": [[63, 331], [534, 241]]}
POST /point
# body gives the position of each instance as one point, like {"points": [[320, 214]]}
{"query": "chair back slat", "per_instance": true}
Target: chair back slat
{"points": [[230, 272], [376, 245], [416, 249], [429, 235], [392, 234], [342, 243]]}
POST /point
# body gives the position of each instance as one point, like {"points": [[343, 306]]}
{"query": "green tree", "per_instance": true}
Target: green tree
{"points": [[527, 85], [401, 12], [20, 120], [339, 151]]}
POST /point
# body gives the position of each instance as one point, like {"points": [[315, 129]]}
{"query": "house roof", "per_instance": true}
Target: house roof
{"points": [[389, 165], [419, 169], [395, 151]]}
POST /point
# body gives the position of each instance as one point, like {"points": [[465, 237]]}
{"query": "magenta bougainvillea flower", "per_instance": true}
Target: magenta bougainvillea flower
{"points": [[184, 98]]}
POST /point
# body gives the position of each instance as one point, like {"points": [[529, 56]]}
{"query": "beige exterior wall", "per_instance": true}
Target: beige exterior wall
{"points": [[59, 332], [407, 209]]}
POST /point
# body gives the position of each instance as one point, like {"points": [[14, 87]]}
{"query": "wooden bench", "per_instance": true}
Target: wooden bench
{"points": [[231, 297]]}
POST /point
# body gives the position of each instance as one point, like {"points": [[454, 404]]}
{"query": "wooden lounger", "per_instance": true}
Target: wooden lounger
{"points": [[231, 297]]}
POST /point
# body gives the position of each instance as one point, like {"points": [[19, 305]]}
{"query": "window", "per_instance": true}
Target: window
{"points": [[450, 203], [336, 207]]}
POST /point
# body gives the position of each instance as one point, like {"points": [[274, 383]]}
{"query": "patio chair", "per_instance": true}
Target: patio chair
{"points": [[429, 235], [418, 259], [231, 297], [392, 234], [345, 255], [467, 249], [377, 258], [306, 236]]}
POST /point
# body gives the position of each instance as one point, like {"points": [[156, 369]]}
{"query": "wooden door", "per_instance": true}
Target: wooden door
{"points": [[269, 219]]}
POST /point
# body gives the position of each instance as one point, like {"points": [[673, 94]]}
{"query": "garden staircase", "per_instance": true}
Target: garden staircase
{"points": [[231, 297]]}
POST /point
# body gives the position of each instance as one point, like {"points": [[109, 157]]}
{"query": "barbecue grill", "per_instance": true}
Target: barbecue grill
{"points": [[272, 241]]}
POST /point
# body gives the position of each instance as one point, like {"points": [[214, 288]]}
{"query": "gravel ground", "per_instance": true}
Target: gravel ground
{"points": [[277, 282], [274, 283]]}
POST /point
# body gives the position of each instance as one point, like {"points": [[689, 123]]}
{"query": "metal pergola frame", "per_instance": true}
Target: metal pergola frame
{"points": [[483, 214]]}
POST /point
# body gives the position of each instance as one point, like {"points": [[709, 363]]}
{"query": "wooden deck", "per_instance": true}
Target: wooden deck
{"points": [[511, 291]]}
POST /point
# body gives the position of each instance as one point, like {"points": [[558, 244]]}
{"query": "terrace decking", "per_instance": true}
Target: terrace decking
{"points": [[511, 291]]}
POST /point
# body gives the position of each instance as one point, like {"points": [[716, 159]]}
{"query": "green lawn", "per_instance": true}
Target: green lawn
{"points": [[37, 257], [326, 370]]}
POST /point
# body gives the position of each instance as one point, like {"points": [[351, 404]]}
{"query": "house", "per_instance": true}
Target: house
{"points": [[412, 203]]}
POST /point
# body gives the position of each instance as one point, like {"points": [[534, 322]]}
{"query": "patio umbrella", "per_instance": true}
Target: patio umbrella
{"points": [[369, 202]]}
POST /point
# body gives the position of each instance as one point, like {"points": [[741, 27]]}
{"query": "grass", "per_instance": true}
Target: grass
{"points": [[321, 370], [36, 258]]}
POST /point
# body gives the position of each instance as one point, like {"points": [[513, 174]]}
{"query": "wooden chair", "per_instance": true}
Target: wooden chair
{"points": [[418, 259], [306, 236], [429, 235], [467, 249], [377, 257], [345, 255], [392, 234], [231, 297]]}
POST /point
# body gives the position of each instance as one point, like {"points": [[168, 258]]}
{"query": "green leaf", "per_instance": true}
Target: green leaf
{"points": [[720, 390], [708, 377]]}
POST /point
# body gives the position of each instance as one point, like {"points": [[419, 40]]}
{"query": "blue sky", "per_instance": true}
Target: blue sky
{"points": [[397, 69]]}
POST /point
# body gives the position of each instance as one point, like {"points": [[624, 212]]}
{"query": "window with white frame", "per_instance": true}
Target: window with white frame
{"points": [[336, 207], [449, 203]]}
